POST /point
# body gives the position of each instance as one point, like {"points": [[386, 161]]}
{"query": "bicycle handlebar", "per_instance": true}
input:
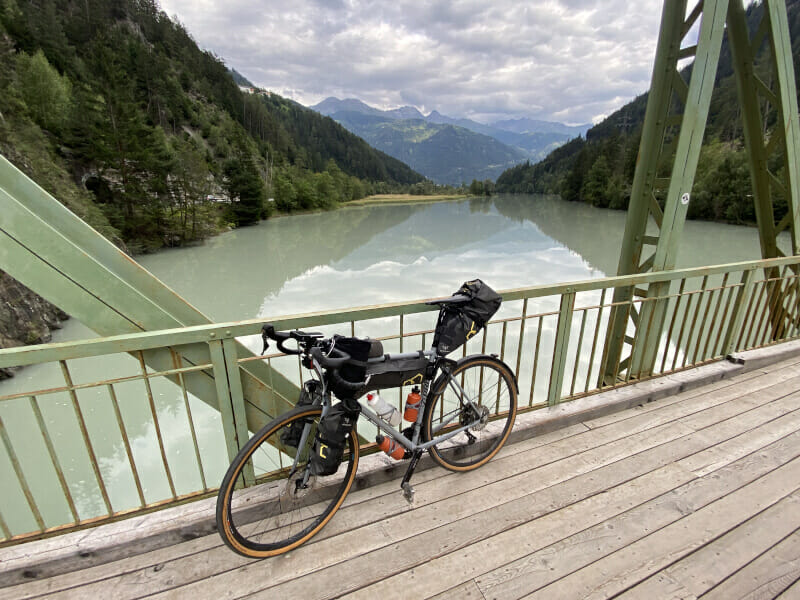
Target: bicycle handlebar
{"points": [[329, 361], [333, 360], [268, 332]]}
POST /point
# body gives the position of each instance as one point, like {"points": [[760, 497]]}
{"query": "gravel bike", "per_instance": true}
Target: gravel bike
{"points": [[276, 494]]}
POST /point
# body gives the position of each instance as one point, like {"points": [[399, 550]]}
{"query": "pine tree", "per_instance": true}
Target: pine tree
{"points": [[245, 189]]}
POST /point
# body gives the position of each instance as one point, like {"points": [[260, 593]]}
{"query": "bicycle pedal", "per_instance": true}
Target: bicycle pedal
{"points": [[408, 492]]}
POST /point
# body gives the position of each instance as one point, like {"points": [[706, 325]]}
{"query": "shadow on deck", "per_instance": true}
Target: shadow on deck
{"points": [[674, 494]]}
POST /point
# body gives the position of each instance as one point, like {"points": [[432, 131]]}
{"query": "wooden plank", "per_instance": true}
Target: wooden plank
{"points": [[222, 560], [543, 571], [390, 487], [665, 587], [480, 557], [567, 448], [791, 593], [465, 591], [735, 565], [770, 575], [456, 538], [740, 385], [160, 556], [559, 470], [369, 528], [622, 447], [474, 545], [625, 567], [740, 446]]}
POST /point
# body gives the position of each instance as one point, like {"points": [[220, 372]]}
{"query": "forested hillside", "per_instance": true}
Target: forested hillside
{"points": [[112, 107], [599, 169]]}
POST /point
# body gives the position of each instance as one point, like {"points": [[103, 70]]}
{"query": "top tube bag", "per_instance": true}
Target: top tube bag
{"points": [[460, 322]]}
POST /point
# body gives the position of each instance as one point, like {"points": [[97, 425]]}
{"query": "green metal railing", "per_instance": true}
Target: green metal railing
{"points": [[90, 432]]}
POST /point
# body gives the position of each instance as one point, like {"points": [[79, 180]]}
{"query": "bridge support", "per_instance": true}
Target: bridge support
{"points": [[57, 255], [672, 135]]}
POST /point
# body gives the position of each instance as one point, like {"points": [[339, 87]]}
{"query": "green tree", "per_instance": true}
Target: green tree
{"points": [[306, 192], [595, 186], [46, 93], [245, 189], [616, 193], [191, 184]]}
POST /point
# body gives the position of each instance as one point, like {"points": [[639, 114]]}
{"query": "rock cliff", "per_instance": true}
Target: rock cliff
{"points": [[25, 318]]}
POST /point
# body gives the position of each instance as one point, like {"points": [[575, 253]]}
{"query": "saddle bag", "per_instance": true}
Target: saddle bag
{"points": [[460, 322], [331, 438]]}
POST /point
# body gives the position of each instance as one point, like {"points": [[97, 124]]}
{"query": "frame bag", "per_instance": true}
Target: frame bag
{"points": [[397, 372], [331, 438], [460, 322]]}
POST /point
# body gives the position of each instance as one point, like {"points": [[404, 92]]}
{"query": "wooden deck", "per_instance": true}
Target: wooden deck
{"points": [[695, 495]]}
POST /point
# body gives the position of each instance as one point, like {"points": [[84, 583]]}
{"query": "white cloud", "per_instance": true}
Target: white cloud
{"points": [[571, 60]]}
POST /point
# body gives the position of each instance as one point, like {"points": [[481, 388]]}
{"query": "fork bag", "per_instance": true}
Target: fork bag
{"points": [[331, 438]]}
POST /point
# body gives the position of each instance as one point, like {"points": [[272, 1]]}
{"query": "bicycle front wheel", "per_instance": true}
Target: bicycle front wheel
{"points": [[269, 503], [480, 394]]}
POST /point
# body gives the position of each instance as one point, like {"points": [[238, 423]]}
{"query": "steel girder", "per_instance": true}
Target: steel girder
{"points": [[672, 135], [57, 255]]}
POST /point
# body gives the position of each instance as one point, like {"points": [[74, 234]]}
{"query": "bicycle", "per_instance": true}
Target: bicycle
{"points": [[467, 408]]}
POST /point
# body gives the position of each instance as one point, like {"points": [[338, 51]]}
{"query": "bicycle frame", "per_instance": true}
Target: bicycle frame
{"points": [[412, 445]]}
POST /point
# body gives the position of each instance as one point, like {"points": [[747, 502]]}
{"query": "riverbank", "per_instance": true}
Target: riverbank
{"points": [[402, 199]]}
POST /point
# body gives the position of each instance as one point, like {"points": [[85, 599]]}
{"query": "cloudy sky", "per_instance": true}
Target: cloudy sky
{"points": [[573, 61]]}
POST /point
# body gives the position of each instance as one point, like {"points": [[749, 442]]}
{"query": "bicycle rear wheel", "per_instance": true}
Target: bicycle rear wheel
{"points": [[479, 390], [276, 512]]}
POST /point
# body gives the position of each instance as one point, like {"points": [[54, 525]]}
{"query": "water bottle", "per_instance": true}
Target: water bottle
{"points": [[412, 405], [385, 411], [392, 448]]}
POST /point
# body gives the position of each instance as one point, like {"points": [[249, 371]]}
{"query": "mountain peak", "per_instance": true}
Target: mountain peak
{"points": [[332, 105], [405, 112]]}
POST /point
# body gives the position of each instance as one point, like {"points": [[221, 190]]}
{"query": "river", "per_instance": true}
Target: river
{"points": [[350, 257]]}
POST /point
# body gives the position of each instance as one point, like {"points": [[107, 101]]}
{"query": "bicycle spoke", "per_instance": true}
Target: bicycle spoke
{"points": [[275, 515]]}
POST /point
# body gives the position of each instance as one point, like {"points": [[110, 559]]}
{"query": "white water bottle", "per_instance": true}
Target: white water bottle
{"points": [[385, 411]]}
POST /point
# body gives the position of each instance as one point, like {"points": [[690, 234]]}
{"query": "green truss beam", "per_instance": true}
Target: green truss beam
{"points": [[57, 255], [672, 135]]}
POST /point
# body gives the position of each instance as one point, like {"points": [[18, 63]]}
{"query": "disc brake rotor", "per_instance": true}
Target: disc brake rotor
{"points": [[294, 489], [470, 415]]}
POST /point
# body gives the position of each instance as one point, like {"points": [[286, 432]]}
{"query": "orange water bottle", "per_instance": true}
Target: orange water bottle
{"points": [[392, 448], [412, 405]]}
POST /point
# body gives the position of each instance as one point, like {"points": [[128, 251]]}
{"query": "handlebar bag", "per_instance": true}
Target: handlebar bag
{"points": [[309, 395], [460, 322], [359, 350], [354, 371], [329, 441]]}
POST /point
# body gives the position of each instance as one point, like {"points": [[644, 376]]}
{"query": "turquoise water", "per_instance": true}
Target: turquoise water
{"points": [[351, 257]]}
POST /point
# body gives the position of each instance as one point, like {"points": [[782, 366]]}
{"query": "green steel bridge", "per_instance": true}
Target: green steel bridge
{"points": [[566, 342]]}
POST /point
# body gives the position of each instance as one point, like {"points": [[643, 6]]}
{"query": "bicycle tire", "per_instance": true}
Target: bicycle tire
{"points": [[249, 519], [490, 383]]}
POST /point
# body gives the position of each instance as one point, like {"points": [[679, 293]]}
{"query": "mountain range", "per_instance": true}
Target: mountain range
{"points": [[449, 150]]}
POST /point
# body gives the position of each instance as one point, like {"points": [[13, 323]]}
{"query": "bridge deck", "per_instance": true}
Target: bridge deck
{"points": [[694, 495]]}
